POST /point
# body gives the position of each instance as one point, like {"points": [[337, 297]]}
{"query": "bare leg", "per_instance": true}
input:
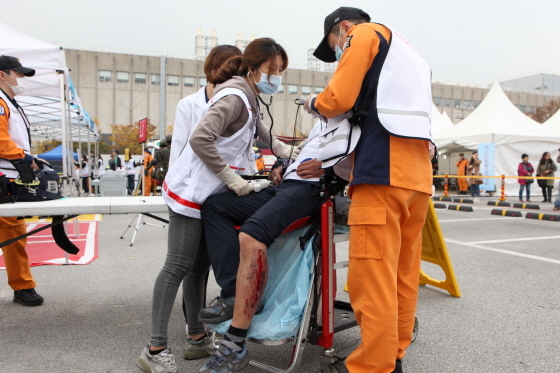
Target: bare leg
{"points": [[251, 280]]}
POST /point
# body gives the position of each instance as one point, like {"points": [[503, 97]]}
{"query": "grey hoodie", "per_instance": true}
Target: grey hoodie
{"points": [[225, 118]]}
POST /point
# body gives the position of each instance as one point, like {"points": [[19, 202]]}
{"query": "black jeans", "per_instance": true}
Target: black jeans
{"points": [[263, 216], [544, 193]]}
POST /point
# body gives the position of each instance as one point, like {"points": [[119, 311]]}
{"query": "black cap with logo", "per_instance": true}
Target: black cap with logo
{"points": [[12, 63], [324, 51]]}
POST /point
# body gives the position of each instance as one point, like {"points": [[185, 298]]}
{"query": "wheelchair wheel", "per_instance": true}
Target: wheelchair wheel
{"points": [[415, 330]]}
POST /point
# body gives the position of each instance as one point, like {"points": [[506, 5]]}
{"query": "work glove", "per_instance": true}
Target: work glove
{"points": [[282, 150], [238, 185]]}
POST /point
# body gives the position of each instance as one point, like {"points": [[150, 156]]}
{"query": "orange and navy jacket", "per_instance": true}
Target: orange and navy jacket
{"points": [[379, 158]]}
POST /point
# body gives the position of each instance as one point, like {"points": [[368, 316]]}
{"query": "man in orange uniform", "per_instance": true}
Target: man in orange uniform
{"points": [[148, 166], [462, 165], [15, 142], [391, 177]]}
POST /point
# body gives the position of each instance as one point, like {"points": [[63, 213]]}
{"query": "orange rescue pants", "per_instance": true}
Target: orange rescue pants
{"points": [[15, 256], [383, 272], [463, 185], [147, 185]]}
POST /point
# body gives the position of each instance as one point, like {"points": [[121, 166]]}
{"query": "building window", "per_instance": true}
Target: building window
{"points": [[437, 101], [292, 88], [466, 103], [457, 103], [155, 79], [280, 88], [188, 81], [476, 103], [122, 77], [523, 108], [173, 80], [105, 76], [202, 82], [140, 78], [530, 109], [447, 102], [319, 90], [305, 90]]}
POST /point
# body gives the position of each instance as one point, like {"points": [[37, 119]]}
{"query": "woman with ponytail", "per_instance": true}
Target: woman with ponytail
{"points": [[208, 155]]}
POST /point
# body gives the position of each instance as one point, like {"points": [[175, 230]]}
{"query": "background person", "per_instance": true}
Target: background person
{"points": [[390, 192], [130, 170], [259, 160], [148, 166], [525, 169], [162, 157], [474, 168], [462, 165], [15, 143], [115, 160], [83, 168], [546, 167]]}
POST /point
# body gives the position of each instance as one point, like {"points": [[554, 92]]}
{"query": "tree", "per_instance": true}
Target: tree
{"points": [[542, 113], [126, 136]]}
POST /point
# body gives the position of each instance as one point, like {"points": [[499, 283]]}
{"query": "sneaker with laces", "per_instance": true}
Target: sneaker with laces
{"points": [[28, 297], [198, 349], [227, 358], [218, 311], [164, 362]]}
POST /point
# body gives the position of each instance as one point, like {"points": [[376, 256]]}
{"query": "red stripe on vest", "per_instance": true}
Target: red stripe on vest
{"points": [[180, 200]]}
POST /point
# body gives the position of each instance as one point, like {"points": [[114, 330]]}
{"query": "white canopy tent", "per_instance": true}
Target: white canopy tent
{"points": [[498, 121], [51, 103], [440, 122]]}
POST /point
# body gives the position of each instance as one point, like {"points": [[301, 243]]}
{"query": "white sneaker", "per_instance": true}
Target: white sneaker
{"points": [[164, 362], [198, 349]]}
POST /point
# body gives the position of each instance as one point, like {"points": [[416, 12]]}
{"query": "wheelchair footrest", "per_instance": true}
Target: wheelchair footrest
{"points": [[343, 316]]}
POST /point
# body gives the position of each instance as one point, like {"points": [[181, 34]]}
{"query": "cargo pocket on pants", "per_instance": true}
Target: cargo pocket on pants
{"points": [[367, 231]]}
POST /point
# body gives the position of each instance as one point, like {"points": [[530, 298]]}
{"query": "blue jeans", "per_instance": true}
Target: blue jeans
{"points": [[130, 185], [475, 190], [521, 187]]}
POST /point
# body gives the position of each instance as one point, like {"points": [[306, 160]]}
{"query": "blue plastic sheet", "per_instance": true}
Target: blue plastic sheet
{"points": [[284, 299]]}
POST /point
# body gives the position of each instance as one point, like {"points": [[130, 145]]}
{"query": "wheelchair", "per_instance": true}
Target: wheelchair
{"points": [[323, 314]]}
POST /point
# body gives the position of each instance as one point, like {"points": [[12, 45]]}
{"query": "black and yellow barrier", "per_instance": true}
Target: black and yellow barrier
{"points": [[526, 206], [440, 206], [463, 200], [551, 217], [515, 214], [499, 203], [443, 199], [460, 208]]}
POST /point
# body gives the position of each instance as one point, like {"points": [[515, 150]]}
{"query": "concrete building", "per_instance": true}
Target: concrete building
{"points": [[124, 88], [548, 84]]}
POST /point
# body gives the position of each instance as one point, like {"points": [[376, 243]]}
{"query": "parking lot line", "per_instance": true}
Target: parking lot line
{"points": [[549, 260], [516, 239]]}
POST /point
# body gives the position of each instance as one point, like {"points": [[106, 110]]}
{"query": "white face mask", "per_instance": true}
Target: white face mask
{"points": [[20, 87]]}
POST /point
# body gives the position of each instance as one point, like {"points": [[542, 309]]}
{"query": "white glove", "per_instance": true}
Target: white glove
{"points": [[282, 150], [307, 108], [235, 182]]}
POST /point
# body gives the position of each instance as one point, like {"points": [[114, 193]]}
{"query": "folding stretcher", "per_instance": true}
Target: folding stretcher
{"points": [[322, 315]]}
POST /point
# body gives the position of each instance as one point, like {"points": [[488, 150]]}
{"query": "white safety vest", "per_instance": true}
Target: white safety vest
{"points": [[129, 167], [189, 182], [18, 127], [309, 151], [84, 172], [404, 91], [98, 170]]}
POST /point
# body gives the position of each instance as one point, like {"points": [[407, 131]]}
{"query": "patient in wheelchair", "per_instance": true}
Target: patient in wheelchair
{"points": [[239, 256]]}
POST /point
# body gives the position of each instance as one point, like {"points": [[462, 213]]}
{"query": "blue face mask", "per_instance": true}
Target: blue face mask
{"points": [[337, 52], [267, 87]]}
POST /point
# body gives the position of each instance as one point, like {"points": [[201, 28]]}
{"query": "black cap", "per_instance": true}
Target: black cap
{"points": [[324, 51], [12, 63]]}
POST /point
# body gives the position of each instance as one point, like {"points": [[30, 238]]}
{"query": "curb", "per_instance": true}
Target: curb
{"points": [[460, 208], [440, 206], [527, 206], [442, 199], [515, 214], [499, 203], [463, 200], [541, 216]]}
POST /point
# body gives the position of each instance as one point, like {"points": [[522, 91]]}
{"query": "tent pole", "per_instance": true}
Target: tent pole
{"points": [[63, 124]]}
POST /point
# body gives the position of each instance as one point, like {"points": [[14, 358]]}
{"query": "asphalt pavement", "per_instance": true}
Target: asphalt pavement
{"points": [[96, 318]]}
